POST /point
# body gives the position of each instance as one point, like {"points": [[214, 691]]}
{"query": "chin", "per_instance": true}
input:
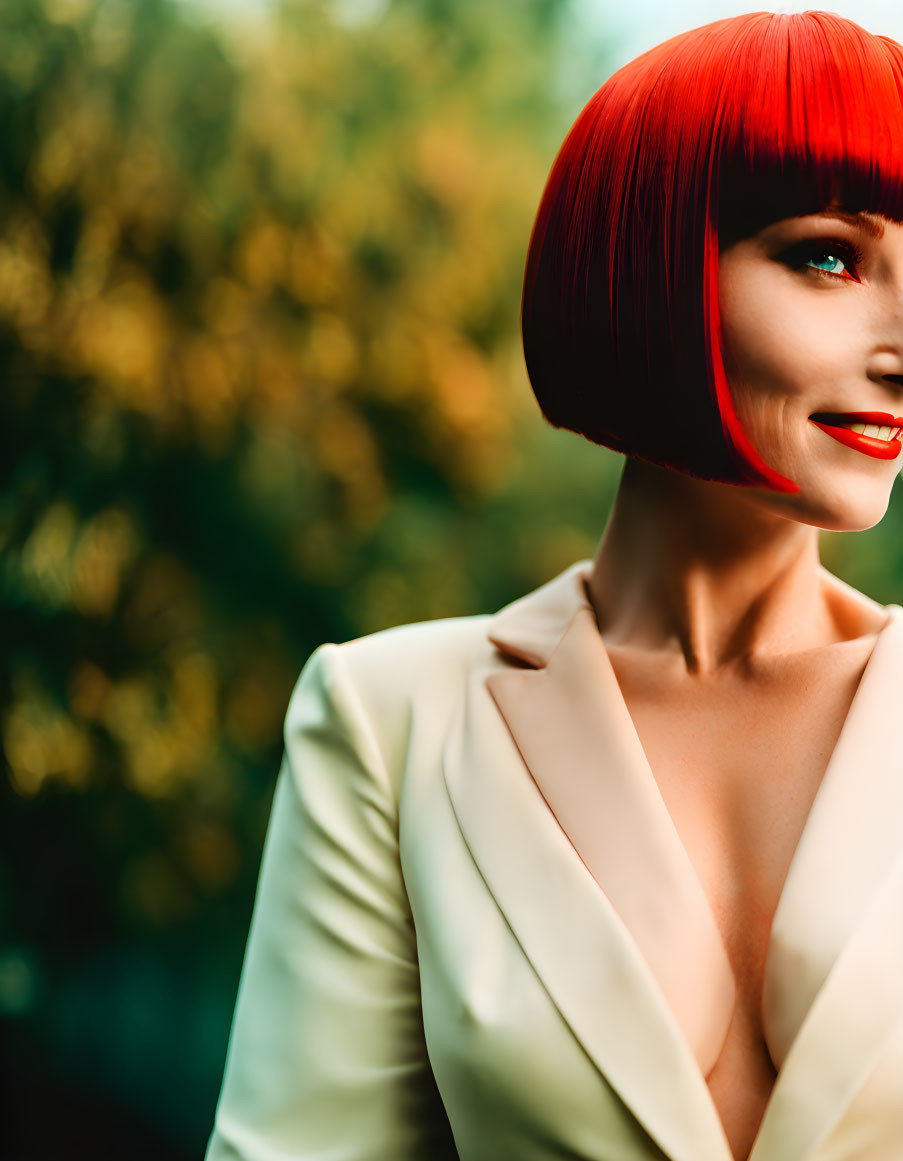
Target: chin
{"points": [[859, 507]]}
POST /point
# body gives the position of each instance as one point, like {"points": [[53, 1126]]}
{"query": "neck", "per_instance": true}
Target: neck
{"points": [[702, 568]]}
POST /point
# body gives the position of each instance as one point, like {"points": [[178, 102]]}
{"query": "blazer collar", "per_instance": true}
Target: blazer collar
{"points": [[608, 907], [531, 627], [570, 713]]}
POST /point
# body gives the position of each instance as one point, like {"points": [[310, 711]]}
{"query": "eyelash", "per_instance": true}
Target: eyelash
{"points": [[851, 257]]}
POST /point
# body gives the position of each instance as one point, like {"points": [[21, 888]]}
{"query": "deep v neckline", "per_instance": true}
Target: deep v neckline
{"points": [[609, 912], [589, 764], [780, 1016]]}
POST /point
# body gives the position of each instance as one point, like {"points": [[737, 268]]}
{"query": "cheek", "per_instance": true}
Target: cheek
{"points": [[779, 359], [777, 345]]}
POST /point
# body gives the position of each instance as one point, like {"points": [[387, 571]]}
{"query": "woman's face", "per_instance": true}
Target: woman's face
{"points": [[812, 322]]}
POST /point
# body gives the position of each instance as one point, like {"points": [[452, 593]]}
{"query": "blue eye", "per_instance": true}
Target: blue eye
{"points": [[833, 259], [828, 261]]}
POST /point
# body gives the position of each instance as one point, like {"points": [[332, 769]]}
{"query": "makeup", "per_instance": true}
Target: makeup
{"points": [[874, 433]]}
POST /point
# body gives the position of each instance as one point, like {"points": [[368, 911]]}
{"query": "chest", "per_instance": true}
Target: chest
{"points": [[738, 763]]}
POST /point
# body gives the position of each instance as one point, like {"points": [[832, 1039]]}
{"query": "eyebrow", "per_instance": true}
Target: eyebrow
{"points": [[869, 222]]}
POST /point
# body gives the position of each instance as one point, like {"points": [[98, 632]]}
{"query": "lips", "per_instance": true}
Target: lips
{"points": [[839, 426]]}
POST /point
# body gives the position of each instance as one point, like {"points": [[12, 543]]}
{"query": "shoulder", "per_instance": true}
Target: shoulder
{"points": [[404, 656], [381, 687], [420, 668], [408, 682]]}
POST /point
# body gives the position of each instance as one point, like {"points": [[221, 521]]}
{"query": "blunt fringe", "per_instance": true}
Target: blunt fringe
{"points": [[699, 142]]}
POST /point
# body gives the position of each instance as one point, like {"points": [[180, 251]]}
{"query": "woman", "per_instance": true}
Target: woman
{"points": [[617, 873]]}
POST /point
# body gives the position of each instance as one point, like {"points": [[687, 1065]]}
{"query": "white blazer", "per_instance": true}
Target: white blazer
{"points": [[434, 971]]}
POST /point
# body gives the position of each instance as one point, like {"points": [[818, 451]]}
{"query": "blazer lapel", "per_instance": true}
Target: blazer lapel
{"points": [[574, 732], [601, 927], [606, 904], [834, 973]]}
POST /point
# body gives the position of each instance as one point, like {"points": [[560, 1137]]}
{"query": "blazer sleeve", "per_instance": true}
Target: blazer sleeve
{"points": [[326, 1054]]}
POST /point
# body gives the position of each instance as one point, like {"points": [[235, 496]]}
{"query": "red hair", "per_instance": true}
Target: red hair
{"points": [[701, 141]]}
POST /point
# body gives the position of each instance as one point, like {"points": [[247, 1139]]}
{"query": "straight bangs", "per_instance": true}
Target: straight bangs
{"points": [[812, 116]]}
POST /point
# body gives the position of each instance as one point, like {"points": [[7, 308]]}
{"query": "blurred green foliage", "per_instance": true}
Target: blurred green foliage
{"points": [[259, 292]]}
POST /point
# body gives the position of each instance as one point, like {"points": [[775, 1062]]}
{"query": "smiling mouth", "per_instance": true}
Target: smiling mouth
{"points": [[874, 433]]}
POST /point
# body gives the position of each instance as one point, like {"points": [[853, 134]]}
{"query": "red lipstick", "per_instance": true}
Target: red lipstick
{"points": [[837, 427]]}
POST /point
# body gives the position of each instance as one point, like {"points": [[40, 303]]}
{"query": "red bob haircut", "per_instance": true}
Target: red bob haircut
{"points": [[699, 142]]}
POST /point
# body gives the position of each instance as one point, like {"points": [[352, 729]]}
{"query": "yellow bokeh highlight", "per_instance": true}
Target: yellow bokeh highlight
{"points": [[398, 363], [26, 286], [280, 394], [262, 254], [105, 548], [227, 306], [332, 355], [123, 339], [194, 691], [95, 252], [42, 742], [67, 11], [448, 161], [167, 729], [46, 557], [316, 271], [461, 382], [67, 563], [346, 449], [84, 122], [210, 382]]}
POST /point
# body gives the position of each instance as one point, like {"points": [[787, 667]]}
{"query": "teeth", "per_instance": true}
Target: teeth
{"points": [[875, 431]]}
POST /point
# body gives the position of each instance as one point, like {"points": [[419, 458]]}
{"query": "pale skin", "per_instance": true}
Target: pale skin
{"points": [[737, 653]]}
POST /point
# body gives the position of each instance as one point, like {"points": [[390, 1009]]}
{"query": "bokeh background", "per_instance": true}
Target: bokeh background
{"points": [[260, 272]]}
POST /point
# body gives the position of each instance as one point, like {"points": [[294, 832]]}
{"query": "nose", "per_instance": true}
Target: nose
{"points": [[885, 368]]}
